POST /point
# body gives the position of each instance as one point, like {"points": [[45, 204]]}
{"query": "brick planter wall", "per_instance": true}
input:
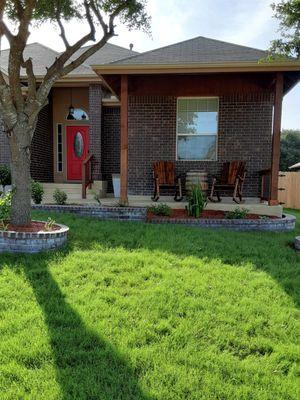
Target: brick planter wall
{"points": [[272, 225], [245, 123], [101, 212], [29, 242], [140, 214]]}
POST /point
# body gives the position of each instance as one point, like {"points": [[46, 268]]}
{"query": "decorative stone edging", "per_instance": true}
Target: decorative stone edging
{"points": [[297, 243], [101, 212], [271, 224], [140, 214], [32, 242]]}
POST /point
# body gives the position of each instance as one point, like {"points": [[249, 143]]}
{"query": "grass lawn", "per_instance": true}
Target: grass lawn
{"points": [[134, 311]]}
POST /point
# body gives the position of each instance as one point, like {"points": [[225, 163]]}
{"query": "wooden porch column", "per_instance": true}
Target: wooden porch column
{"points": [[124, 139], [273, 200]]}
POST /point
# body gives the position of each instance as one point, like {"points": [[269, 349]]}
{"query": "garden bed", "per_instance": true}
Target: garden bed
{"points": [[217, 219], [206, 214], [209, 219], [32, 238]]}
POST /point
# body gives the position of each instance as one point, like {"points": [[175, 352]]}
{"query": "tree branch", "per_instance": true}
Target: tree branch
{"points": [[4, 31], [62, 31], [31, 79], [99, 17], [17, 46]]}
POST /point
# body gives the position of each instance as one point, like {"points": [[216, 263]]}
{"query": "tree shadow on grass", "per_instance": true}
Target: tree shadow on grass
{"points": [[87, 366]]}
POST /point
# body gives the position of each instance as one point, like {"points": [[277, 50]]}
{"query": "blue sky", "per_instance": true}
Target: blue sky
{"points": [[244, 22]]}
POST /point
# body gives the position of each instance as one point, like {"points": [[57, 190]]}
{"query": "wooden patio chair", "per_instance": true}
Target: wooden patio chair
{"points": [[231, 180], [164, 176]]}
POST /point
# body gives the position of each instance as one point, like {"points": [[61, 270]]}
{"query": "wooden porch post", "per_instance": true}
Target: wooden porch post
{"points": [[124, 139], [273, 200]]}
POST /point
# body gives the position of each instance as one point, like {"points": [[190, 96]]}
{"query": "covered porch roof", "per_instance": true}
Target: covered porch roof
{"points": [[201, 67]]}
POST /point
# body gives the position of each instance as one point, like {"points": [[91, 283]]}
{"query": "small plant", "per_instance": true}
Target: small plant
{"points": [[237, 213], [3, 226], [49, 224], [37, 192], [5, 206], [97, 197], [5, 176], [196, 202], [160, 209], [60, 197]]}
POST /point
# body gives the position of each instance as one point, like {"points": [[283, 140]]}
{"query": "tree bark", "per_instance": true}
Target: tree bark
{"points": [[20, 142]]}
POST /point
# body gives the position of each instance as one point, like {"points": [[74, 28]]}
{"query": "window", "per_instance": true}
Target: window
{"points": [[197, 128], [77, 114], [59, 148]]}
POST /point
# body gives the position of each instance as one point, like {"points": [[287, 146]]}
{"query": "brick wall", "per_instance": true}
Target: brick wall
{"points": [[4, 146], [245, 123], [42, 147], [110, 154], [95, 110]]}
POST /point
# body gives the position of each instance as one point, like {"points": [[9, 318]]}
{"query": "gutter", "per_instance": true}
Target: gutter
{"points": [[115, 69]]}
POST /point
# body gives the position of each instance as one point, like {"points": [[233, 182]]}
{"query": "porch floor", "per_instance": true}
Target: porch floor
{"points": [[254, 205]]}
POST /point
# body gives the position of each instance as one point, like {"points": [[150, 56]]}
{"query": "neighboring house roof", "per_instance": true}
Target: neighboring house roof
{"points": [[196, 50], [44, 56], [295, 166]]}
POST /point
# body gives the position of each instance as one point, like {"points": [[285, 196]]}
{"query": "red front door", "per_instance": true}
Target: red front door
{"points": [[77, 150]]}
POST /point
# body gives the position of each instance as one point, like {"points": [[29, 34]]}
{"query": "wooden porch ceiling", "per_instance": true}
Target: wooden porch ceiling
{"points": [[200, 84]]}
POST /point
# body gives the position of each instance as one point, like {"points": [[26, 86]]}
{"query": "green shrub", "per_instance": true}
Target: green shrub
{"points": [[5, 175], [5, 206], [37, 192], [237, 213], [60, 197], [196, 202], [160, 209]]}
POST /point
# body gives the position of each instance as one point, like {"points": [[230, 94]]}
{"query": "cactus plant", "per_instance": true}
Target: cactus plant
{"points": [[196, 202]]}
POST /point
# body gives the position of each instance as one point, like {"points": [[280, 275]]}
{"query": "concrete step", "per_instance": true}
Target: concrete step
{"points": [[73, 191]]}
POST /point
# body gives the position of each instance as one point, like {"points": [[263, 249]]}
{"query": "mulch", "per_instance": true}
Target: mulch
{"points": [[34, 227], [206, 214]]}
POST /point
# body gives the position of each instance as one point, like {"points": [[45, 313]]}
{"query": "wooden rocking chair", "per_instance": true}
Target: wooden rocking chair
{"points": [[164, 175], [231, 180]]}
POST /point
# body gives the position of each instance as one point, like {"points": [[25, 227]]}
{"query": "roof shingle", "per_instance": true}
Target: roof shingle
{"points": [[196, 50]]}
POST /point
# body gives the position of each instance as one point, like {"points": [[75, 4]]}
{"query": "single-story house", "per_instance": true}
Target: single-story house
{"points": [[199, 103]]}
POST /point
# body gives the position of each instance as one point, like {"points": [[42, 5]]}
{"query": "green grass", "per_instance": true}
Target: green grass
{"points": [[134, 311]]}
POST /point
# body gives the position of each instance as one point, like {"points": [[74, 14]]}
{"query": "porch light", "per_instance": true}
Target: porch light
{"points": [[71, 112]]}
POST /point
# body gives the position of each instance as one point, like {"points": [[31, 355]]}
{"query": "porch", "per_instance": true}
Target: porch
{"points": [[74, 193]]}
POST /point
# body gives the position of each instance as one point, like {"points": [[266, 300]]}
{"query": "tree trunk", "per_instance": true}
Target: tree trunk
{"points": [[20, 142]]}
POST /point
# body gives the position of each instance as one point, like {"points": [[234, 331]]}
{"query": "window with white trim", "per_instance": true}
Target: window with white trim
{"points": [[197, 128]]}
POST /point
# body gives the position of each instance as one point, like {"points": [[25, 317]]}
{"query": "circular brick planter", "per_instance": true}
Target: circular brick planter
{"points": [[284, 224], [297, 243], [33, 242]]}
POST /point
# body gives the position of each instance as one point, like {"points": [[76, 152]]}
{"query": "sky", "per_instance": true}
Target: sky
{"points": [[243, 22]]}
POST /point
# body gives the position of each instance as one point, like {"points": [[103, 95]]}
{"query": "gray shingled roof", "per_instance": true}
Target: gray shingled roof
{"points": [[43, 56], [197, 50]]}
